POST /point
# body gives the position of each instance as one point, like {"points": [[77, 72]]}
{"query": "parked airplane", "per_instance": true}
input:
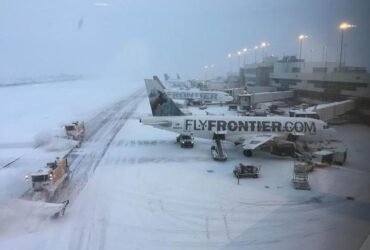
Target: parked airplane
{"points": [[177, 83], [196, 96], [249, 132], [167, 77]]}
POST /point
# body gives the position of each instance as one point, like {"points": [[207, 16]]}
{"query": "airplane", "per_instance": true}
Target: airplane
{"points": [[249, 132], [176, 83], [167, 77], [196, 96]]}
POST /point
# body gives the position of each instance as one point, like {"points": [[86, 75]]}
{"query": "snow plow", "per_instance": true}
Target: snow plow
{"points": [[48, 181], [75, 131]]}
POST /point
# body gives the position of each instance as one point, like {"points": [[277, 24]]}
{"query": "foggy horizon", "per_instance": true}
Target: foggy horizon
{"points": [[136, 39]]}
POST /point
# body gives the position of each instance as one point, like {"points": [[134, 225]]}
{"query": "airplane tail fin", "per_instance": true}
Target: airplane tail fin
{"points": [[166, 77], [156, 78], [160, 103]]}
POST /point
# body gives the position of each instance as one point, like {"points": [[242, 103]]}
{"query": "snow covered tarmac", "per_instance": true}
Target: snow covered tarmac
{"points": [[135, 188]]}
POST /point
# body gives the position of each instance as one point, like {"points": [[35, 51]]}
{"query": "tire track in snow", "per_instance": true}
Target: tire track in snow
{"points": [[85, 156], [105, 125]]}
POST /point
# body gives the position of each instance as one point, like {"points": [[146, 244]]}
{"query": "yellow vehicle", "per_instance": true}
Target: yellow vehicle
{"points": [[75, 130], [48, 181]]}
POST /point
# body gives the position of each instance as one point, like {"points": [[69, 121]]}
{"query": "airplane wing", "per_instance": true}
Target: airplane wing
{"points": [[254, 141]]}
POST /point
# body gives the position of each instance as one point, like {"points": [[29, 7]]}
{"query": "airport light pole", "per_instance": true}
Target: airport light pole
{"points": [[205, 72], [263, 46], [229, 58], [343, 27], [239, 54], [211, 73], [344, 53], [301, 37], [311, 54], [324, 53], [255, 54], [244, 55]]}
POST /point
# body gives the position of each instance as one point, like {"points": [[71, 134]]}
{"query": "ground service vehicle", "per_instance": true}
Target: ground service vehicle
{"points": [[300, 176], [242, 170], [186, 141], [48, 181], [75, 130]]}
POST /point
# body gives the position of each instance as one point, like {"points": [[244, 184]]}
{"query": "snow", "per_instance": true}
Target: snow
{"points": [[29, 110], [133, 187], [27, 213], [34, 114]]}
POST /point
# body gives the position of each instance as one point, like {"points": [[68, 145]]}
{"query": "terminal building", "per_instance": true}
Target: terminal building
{"points": [[321, 81], [258, 74]]}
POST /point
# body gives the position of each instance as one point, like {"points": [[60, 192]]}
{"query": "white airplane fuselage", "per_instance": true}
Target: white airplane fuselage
{"points": [[200, 96], [237, 128]]}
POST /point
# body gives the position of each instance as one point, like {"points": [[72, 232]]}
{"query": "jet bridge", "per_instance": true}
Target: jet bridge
{"points": [[251, 99], [217, 150], [333, 110]]}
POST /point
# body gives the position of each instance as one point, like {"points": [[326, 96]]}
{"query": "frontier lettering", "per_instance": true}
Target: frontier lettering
{"points": [[251, 126]]}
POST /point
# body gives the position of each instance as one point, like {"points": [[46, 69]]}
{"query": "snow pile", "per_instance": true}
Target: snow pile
{"points": [[60, 144], [22, 217], [53, 142], [42, 138]]}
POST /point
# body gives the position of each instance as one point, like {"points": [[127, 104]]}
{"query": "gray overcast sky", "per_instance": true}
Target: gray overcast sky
{"points": [[136, 39]]}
